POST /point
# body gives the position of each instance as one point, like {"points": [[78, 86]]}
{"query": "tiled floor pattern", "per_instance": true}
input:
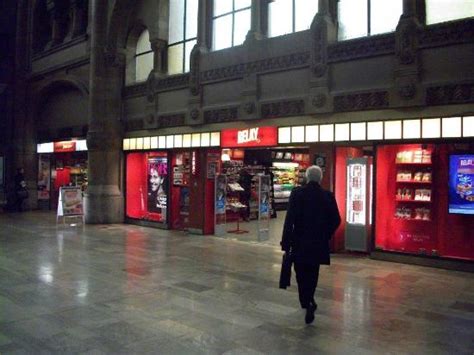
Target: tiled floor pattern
{"points": [[123, 289]]}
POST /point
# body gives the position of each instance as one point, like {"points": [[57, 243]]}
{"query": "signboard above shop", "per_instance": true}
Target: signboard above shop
{"points": [[249, 137], [62, 146], [65, 146]]}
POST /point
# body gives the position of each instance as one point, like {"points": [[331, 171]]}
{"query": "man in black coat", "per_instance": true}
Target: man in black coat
{"points": [[311, 220]]}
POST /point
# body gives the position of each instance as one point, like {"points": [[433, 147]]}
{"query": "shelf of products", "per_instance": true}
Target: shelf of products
{"points": [[414, 169], [284, 181]]}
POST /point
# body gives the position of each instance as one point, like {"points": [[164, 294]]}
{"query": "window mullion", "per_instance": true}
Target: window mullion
{"points": [[294, 16], [183, 65], [368, 18]]}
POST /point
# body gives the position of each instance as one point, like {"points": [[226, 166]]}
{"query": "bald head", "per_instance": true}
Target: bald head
{"points": [[314, 173]]}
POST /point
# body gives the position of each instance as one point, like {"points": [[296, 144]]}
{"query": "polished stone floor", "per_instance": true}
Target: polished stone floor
{"points": [[122, 289]]}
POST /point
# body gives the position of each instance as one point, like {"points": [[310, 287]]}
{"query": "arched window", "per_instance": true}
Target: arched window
{"points": [[183, 24], [287, 16], [143, 57], [448, 10], [359, 18], [230, 22]]}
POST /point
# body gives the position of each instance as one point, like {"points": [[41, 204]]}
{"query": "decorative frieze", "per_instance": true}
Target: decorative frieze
{"points": [[361, 48], [221, 115], [170, 120], [293, 60], [135, 90], [282, 109], [447, 33], [450, 94], [361, 101]]}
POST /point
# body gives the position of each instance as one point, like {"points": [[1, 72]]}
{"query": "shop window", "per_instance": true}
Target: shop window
{"points": [[231, 22], [143, 57], [288, 16], [360, 18], [183, 25], [147, 186], [424, 200], [448, 10]]}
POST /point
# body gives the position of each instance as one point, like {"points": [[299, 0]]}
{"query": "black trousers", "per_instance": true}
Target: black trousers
{"points": [[307, 276]]}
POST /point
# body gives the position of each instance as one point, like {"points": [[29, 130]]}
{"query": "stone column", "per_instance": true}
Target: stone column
{"points": [[160, 59], [23, 138], [204, 25], [104, 199], [258, 28]]}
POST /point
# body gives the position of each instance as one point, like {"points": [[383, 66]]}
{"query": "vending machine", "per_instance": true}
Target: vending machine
{"points": [[358, 204]]}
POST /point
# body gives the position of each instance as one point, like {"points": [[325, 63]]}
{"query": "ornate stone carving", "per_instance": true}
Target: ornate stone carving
{"points": [[450, 94], [170, 120], [194, 72], [221, 115], [150, 120], [171, 82], [361, 101], [249, 108], [447, 33], [361, 48], [282, 109], [319, 45], [265, 65], [319, 100], [135, 90], [150, 84], [406, 41], [194, 114], [407, 92]]}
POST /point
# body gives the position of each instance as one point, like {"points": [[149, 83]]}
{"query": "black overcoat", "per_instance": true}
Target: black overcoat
{"points": [[311, 220]]}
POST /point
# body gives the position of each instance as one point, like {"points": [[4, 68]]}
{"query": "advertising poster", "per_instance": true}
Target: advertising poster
{"points": [[44, 178], [220, 204], [461, 184], [70, 201], [157, 186], [264, 188]]}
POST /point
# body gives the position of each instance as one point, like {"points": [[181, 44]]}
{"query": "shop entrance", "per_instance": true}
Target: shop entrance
{"points": [[57, 170], [243, 167]]}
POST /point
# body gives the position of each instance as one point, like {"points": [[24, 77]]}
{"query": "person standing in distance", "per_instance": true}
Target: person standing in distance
{"points": [[311, 220]]}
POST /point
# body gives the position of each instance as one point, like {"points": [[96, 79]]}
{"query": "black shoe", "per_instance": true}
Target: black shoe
{"points": [[309, 318]]}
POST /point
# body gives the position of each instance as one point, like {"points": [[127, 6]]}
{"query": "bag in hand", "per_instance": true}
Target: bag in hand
{"points": [[285, 274]]}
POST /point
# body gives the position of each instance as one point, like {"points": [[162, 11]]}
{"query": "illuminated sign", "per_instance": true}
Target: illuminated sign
{"points": [[250, 137], [66, 146]]}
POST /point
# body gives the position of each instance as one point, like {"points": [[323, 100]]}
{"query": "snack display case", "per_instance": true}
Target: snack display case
{"points": [[413, 191], [358, 204]]}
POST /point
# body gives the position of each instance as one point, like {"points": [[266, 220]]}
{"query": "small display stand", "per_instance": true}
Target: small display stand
{"points": [[264, 207], [235, 205], [220, 194], [70, 204]]}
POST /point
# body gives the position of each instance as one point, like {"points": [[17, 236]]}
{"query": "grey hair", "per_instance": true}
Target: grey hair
{"points": [[314, 173]]}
